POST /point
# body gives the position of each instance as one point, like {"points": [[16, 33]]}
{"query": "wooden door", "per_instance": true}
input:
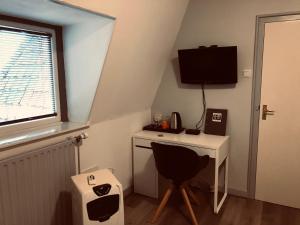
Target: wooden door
{"points": [[278, 159]]}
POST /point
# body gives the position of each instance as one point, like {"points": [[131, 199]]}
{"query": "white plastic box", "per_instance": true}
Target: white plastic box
{"points": [[97, 199]]}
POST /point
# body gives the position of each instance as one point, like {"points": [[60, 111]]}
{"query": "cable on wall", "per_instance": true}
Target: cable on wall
{"points": [[201, 121], [78, 142]]}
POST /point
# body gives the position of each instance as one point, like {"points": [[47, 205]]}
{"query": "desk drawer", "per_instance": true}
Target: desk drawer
{"points": [[146, 143], [140, 142], [145, 175]]}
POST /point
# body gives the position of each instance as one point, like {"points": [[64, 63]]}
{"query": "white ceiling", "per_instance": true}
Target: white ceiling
{"points": [[45, 11]]}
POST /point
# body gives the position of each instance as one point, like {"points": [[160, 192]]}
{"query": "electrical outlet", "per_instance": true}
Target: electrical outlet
{"points": [[90, 169], [112, 170], [247, 73]]}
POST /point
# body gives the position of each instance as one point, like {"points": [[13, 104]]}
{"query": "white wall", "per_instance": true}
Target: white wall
{"points": [[110, 142], [85, 48], [230, 22], [144, 34], [143, 37]]}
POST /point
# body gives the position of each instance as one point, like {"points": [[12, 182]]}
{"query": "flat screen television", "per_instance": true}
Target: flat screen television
{"points": [[208, 65]]}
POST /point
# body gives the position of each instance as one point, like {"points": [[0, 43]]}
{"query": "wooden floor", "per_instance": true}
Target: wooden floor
{"points": [[236, 211]]}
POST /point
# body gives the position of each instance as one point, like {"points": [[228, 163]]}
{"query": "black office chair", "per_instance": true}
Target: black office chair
{"points": [[179, 164]]}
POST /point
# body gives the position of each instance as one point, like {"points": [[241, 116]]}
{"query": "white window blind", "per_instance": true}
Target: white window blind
{"points": [[27, 90]]}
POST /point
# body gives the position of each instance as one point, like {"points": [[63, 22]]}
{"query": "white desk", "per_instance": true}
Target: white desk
{"points": [[145, 173]]}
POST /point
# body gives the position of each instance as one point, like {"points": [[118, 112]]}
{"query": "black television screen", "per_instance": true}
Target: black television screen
{"points": [[208, 65]]}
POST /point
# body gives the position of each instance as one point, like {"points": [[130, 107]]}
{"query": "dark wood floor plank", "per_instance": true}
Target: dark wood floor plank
{"points": [[278, 215], [138, 210], [251, 212], [235, 211], [230, 212], [291, 216], [271, 214]]}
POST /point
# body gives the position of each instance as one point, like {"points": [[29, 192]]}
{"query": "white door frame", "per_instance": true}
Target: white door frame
{"points": [[256, 91]]}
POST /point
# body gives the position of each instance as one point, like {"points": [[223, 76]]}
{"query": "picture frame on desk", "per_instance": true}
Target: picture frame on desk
{"points": [[215, 122]]}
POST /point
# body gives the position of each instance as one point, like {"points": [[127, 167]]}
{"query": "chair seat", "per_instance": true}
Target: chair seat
{"points": [[179, 164]]}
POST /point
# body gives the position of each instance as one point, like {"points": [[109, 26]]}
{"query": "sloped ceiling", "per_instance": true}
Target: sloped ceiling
{"points": [[144, 34], [86, 37], [45, 11], [141, 44]]}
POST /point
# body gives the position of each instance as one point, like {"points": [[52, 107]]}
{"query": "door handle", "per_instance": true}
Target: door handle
{"points": [[266, 112]]}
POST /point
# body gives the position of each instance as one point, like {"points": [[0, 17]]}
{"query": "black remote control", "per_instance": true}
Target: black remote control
{"points": [[192, 131]]}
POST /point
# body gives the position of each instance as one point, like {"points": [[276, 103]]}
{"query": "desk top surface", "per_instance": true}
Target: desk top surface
{"points": [[202, 140]]}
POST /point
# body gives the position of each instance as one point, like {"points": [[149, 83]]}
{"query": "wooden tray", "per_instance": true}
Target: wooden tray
{"points": [[153, 127]]}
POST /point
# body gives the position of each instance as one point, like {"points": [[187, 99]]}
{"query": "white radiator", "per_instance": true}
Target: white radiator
{"points": [[34, 187]]}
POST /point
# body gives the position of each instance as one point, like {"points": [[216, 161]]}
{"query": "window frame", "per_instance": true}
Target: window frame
{"points": [[58, 72]]}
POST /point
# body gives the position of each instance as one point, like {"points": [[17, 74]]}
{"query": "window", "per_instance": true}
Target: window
{"points": [[26, 76], [29, 88]]}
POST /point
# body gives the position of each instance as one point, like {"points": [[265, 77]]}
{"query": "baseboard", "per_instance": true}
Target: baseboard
{"points": [[206, 187], [238, 193], [231, 191], [127, 191]]}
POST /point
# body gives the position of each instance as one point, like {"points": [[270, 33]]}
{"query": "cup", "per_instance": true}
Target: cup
{"points": [[165, 124]]}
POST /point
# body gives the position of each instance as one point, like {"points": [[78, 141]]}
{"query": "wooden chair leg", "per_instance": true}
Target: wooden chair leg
{"points": [[192, 195], [162, 204], [188, 205]]}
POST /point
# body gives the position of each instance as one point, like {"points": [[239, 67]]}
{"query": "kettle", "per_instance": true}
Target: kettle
{"points": [[175, 121]]}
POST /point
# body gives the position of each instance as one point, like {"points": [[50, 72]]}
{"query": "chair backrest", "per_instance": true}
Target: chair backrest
{"points": [[176, 162]]}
